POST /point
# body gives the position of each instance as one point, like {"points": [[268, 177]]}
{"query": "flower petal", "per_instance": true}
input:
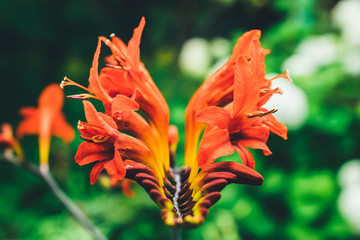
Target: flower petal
{"points": [[90, 152], [52, 98], [121, 103], [30, 125], [244, 174], [99, 119], [275, 126], [95, 171], [116, 167], [260, 133], [254, 144], [133, 51], [249, 45], [133, 168], [242, 47], [94, 83], [216, 116], [62, 129], [125, 185], [28, 111], [245, 156], [246, 86], [216, 143]]}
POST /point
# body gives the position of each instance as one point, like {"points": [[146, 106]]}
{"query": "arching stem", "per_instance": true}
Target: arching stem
{"points": [[65, 200]]}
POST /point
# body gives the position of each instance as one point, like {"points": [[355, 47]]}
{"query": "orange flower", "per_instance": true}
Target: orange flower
{"points": [[132, 139], [238, 125], [241, 86], [46, 120], [6, 137], [105, 144], [8, 142], [125, 86]]}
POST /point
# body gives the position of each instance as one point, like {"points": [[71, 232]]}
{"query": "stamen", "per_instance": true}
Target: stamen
{"points": [[261, 114], [275, 90], [284, 75], [69, 82], [119, 60], [88, 139], [80, 125], [82, 96], [100, 139], [112, 35], [116, 67], [96, 138], [267, 93]]}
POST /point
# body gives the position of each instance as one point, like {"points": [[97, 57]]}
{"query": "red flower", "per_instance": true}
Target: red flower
{"points": [[46, 120], [132, 139]]}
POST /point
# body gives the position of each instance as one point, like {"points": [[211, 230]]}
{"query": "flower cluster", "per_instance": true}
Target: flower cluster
{"points": [[132, 138]]}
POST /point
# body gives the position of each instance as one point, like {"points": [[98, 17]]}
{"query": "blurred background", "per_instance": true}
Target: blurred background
{"points": [[312, 180]]}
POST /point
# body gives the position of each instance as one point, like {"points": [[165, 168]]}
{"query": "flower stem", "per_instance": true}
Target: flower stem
{"points": [[73, 209], [65, 200], [176, 233]]}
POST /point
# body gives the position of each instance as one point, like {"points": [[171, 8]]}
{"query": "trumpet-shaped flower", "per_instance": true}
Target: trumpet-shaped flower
{"points": [[8, 142], [133, 140], [45, 121], [6, 137]]}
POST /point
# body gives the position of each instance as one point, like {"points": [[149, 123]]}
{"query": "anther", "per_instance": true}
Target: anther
{"points": [[100, 139], [284, 75], [116, 67], [62, 83], [80, 125], [68, 82], [118, 60], [82, 96], [263, 113], [96, 138]]}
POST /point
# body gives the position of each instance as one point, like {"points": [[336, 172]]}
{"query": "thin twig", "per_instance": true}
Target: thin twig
{"points": [[65, 200], [73, 209], [30, 167]]}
